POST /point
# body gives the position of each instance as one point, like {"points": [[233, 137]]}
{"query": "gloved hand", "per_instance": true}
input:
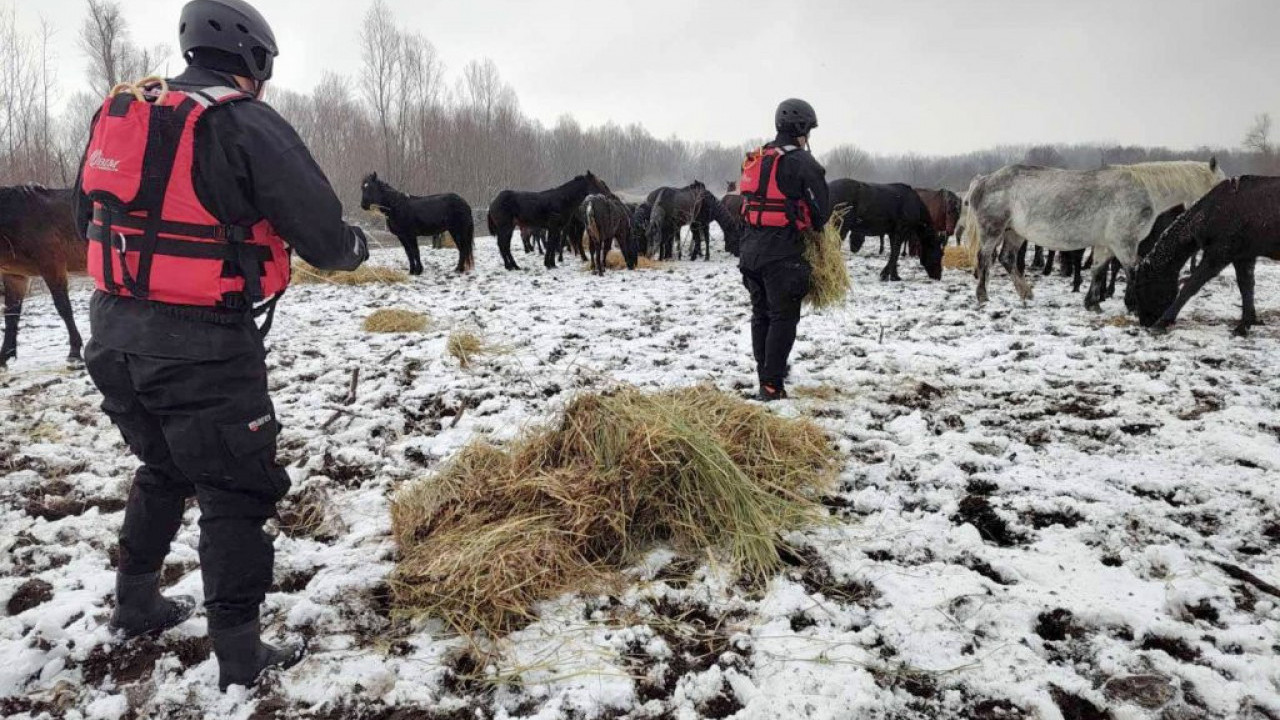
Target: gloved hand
{"points": [[361, 250]]}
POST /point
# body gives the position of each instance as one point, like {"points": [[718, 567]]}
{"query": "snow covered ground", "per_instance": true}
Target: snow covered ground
{"points": [[1034, 519]]}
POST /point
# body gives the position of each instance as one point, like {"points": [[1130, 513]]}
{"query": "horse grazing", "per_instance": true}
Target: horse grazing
{"points": [[410, 217], [944, 211], [672, 209], [607, 219], [1061, 210], [549, 210], [714, 211], [869, 210], [1235, 224], [733, 206], [640, 213], [38, 238]]}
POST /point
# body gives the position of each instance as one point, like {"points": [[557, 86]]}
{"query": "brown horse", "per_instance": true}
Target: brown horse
{"points": [[944, 210], [607, 219], [38, 238]]}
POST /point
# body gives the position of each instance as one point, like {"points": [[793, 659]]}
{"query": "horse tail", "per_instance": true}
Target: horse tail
{"points": [[593, 229], [464, 238]]}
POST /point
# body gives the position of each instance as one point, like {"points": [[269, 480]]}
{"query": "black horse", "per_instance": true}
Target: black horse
{"points": [[1234, 224], [710, 211], [868, 210], [672, 209], [550, 210], [640, 213], [409, 218]]}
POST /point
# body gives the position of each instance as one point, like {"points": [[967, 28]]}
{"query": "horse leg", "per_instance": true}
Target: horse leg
{"points": [[15, 290], [1098, 287], [1049, 259], [986, 255], [1037, 262], [553, 247], [411, 249], [62, 303], [1077, 270], [504, 247], [1013, 256], [1244, 279], [1208, 269], [890, 272]]}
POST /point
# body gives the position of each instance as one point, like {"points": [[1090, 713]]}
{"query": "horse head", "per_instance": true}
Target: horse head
{"points": [[1154, 289], [932, 251], [596, 185], [372, 192]]}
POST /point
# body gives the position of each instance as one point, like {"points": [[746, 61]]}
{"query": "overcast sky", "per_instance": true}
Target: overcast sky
{"points": [[929, 76]]}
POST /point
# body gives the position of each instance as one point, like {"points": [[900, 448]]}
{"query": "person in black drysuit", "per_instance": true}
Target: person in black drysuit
{"points": [[188, 387], [772, 261]]}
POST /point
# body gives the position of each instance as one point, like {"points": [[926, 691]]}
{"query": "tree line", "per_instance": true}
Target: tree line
{"points": [[426, 130]]}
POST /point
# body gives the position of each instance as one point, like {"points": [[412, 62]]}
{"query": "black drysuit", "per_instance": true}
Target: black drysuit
{"points": [[773, 266], [188, 388]]}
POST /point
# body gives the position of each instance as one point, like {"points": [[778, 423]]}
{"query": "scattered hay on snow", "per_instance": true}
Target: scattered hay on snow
{"points": [[305, 274], [466, 346], [564, 508], [396, 321], [830, 284], [958, 257]]}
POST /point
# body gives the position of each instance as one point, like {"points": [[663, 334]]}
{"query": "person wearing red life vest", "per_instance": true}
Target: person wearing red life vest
{"points": [[193, 196], [784, 194]]}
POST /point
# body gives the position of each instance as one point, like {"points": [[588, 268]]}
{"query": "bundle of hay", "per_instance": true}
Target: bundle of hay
{"points": [[466, 346], [396, 321], [958, 257], [830, 283], [305, 274], [615, 261], [561, 509]]}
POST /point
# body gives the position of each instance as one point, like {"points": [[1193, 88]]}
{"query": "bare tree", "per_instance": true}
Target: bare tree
{"points": [[113, 56], [848, 161]]}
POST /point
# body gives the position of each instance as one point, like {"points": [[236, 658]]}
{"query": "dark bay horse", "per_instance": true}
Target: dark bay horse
{"points": [[550, 210], [868, 210], [410, 217], [38, 238], [672, 209], [733, 206], [607, 219], [1235, 224], [944, 211]]}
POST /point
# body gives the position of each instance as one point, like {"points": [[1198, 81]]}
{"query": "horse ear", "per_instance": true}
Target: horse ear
{"points": [[1213, 164]]}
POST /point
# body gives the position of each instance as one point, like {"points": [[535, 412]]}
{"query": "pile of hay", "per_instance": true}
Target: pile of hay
{"points": [[396, 321], [305, 274], [615, 261], [564, 508], [830, 284], [958, 257]]}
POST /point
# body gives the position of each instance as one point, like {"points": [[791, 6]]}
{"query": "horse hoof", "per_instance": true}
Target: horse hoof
{"points": [[1241, 331]]}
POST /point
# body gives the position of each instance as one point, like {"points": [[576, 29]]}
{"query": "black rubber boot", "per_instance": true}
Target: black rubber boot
{"points": [[142, 610], [242, 656], [772, 393]]}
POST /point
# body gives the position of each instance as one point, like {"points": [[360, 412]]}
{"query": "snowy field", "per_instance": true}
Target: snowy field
{"points": [[1038, 517]]}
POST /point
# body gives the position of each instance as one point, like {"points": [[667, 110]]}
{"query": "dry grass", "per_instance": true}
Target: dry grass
{"points": [[830, 285], [564, 508], [466, 346], [615, 261], [396, 321], [1121, 321], [304, 274], [958, 257]]}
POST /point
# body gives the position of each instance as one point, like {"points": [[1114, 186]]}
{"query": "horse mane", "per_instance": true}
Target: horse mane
{"points": [[1170, 183]]}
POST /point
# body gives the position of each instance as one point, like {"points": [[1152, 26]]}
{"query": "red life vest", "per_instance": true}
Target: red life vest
{"points": [[151, 237], [763, 204]]}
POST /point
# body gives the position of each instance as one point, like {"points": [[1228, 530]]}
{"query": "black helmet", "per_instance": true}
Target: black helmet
{"points": [[232, 27], [795, 117]]}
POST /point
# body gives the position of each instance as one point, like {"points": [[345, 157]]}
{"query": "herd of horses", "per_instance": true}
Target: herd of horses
{"points": [[1147, 220]]}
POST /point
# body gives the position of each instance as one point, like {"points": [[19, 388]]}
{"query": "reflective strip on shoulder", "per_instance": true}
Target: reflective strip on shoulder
{"points": [[218, 95]]}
